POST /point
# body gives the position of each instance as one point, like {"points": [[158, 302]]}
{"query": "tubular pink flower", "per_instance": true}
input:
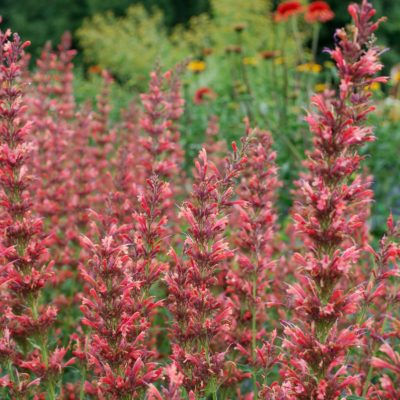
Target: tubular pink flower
{"points": [[249, 280], [52, 108], [156, 146], [381, 323], [117, 305], [25, 320], [200, 317], [328, 195], [162, 107]]}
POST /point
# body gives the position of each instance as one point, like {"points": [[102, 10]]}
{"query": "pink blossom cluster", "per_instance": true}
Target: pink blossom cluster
{"points": [[34, 364], [124, 277], [320, 338]]}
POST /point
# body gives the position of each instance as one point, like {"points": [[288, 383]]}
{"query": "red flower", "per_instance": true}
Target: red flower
{"points": [[269, 54], [319, 11], [203, 94], [287, 9]]}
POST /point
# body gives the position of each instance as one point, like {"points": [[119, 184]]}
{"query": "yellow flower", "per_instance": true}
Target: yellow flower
{"points": [[395, 74], [250, 61], [374, 86], [392, 109], [196, 66], [309, 67], [320, 87], [279, 60]]}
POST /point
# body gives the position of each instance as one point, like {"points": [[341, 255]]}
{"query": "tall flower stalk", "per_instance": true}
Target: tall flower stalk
{"points": [[31, 363], [163, 106], [321, 338], [51, 108], [162, 153], [118, 306], [248, 283], [199, 315], [379, 317]]}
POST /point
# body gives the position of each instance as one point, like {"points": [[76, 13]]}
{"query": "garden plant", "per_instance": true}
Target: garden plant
{"points": [[139, 263]]}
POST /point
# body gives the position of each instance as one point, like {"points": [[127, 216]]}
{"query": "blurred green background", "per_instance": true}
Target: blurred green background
{"points": [[43, 20]]}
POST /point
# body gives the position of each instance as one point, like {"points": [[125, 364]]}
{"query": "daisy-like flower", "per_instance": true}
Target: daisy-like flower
{"points": [[309, 67], [319, 11], [196, 66], [269, 54], [203, 95], [288, 9]]}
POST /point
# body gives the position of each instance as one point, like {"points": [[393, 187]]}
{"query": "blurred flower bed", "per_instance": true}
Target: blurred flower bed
{"points": [[244, 59]]}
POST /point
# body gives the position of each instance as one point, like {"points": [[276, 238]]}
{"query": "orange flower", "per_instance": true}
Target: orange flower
{"points": [[288, 9], [319, 11], [268, 54], [95, 69], [203, 94]]}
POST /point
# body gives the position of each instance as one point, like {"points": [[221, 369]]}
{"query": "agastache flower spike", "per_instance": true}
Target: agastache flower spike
{"points": [[51, 105], [161, 151], [116, 356], [26, 266], [118, 306], [162, 107], [379, 317], [247, 283], [215, 147], [129, 176], [327, 197], [199, 316]]}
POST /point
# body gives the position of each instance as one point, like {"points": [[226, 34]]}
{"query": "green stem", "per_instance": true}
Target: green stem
{"points": [[254, 337], [371, 368], [207, 354], [82, 385], [297, 39], [51, 387], [315, 41], [12, 377], [374, 351], [51, 390], [285, 83], [292, 148]]}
